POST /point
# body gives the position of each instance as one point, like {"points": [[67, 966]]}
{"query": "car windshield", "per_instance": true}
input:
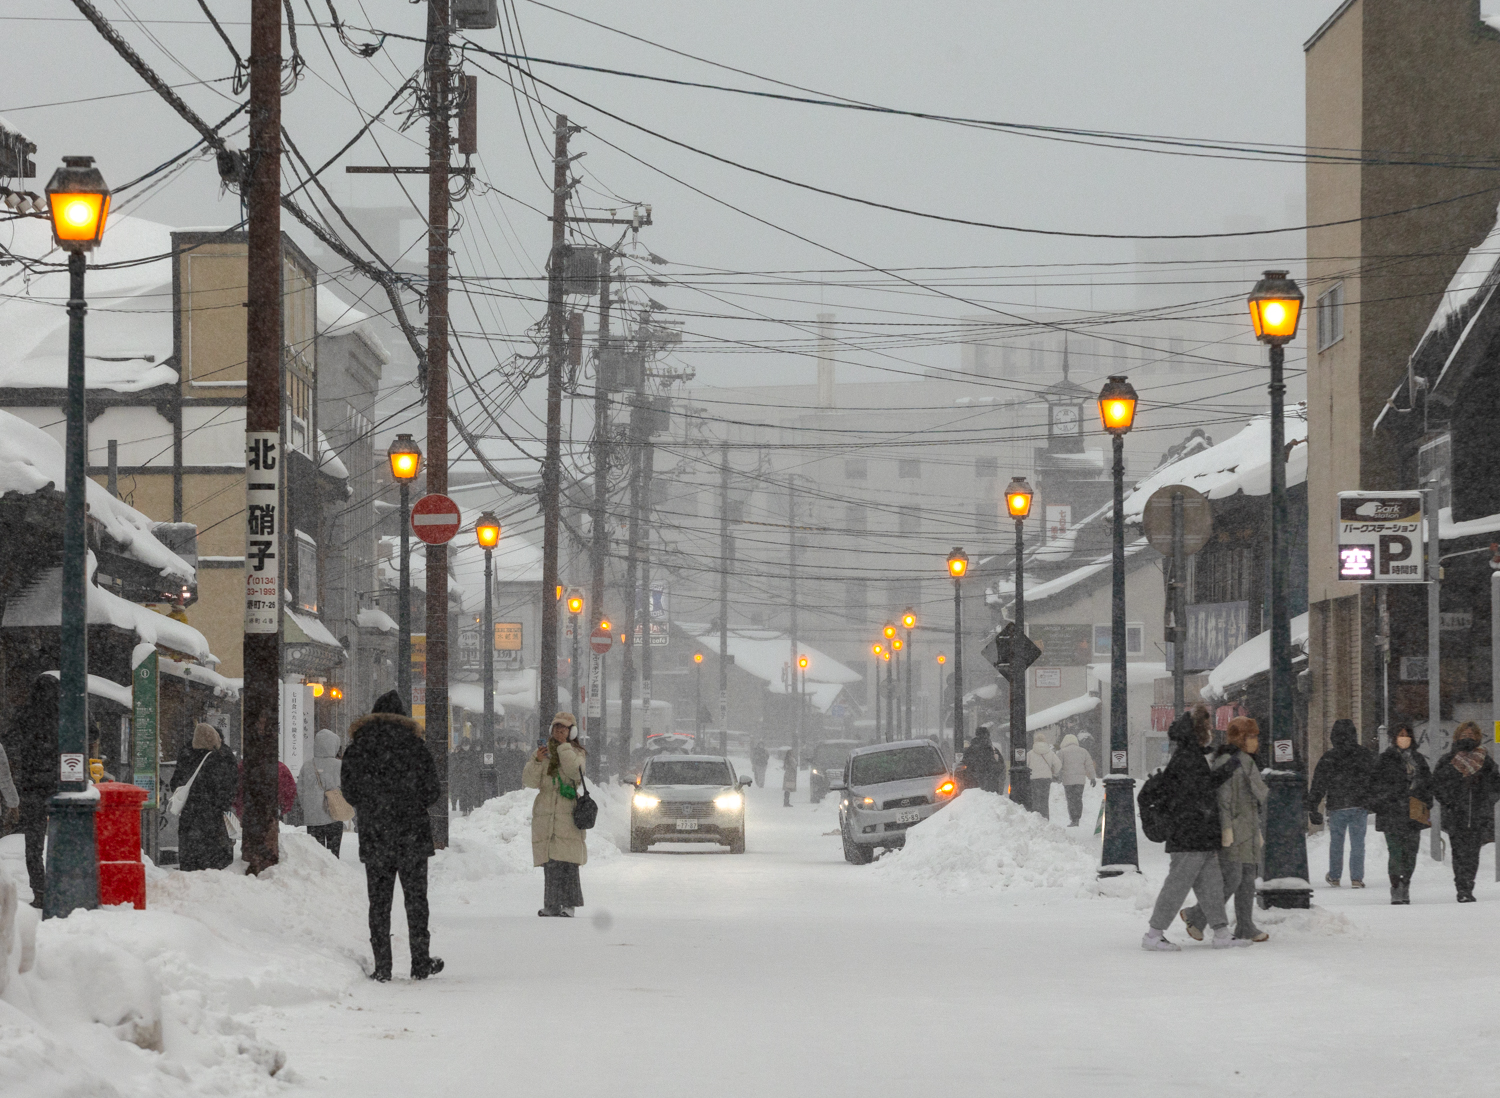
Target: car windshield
{"points": [[687, 772], [895, 766], [830, 755]]}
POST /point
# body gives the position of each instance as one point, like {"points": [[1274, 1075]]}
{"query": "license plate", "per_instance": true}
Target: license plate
{"points": [[687, 825], [910, 817]]}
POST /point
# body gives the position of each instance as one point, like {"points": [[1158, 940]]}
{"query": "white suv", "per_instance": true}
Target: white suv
{"points": [[886, 789]]}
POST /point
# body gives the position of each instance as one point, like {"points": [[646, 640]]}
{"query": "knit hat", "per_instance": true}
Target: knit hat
{"points": [[390, 702]]}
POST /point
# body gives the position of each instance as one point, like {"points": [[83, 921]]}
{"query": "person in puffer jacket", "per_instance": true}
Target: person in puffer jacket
{"points": [[1467, 784], [1077, 767], [1343, 777], [320, 774]]}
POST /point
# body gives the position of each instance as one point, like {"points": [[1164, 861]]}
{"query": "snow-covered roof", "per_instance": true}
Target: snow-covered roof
{"points": [[102, 688], [470, 696], [40, 605], [372, 617], [763, 653], [1248, 660], [1447, 528], [337, 317], [1137, 673], [329, 461], [1060, 712], [1065, 582], [130, 336], [314, 630], [1241, 464], [223, 687], [31, 459], [1475, 275]]}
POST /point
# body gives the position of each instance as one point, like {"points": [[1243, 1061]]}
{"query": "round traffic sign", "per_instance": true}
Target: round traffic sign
{"points": [[601, 640], [435, 519], [1197, 519]]}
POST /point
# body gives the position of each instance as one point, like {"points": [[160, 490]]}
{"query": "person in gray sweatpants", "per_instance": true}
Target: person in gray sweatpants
{"points": [[1193, 837]]}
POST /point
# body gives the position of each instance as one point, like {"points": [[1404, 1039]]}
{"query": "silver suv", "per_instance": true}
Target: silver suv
{"points": [[886, 789], [688, 799]]}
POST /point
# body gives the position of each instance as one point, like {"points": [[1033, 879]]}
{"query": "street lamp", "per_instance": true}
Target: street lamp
{"points": [[698, 700], [908, 622], [487, 533], [1117, 402], [1018, 506], [879, 650], [406, 462], [575, 619], [958, 568], [78, 202], [1275, 309], [894, 647], [802, 712]]}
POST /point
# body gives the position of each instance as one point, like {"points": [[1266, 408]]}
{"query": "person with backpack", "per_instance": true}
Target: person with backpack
{"points": [[1241, 800], [1180, 806], [1466, 783], [1343, 777], [1401, 797], [558, 845]]}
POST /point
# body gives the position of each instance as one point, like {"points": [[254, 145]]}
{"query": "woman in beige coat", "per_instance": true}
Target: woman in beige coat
{"points": [[557, 845], [1241, 800]]}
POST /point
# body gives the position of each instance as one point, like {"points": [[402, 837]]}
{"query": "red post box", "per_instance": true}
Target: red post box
{"points": [[117, 831]]}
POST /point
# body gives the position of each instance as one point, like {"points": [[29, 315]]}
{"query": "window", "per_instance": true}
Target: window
{"points": [[1435, 468], [1135, 638], [986, 468], [910, 519], [898, 765], [986, 518], [909, 469], [856, 469], [856, 518], [1331, 317], [307, 572]]}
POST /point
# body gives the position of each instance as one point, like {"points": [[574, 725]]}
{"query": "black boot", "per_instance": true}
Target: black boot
{"points": [[1395, 890], [430, 966], [382, 951]]}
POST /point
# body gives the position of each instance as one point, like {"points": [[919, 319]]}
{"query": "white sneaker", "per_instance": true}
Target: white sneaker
{"points": [[1154, 941], [1224, 939]]}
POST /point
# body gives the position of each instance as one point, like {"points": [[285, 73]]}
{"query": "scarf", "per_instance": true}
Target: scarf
{"points": [[554, 764], [1468, 762], [1411, 768]]}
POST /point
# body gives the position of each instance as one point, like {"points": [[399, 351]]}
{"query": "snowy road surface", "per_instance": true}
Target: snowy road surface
{"points": [[983, 956]]}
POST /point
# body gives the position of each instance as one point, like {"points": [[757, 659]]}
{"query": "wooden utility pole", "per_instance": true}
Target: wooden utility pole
{"points": [[439, 101], [261, 187], [726, 559], [552, 461], [598, 726], [791, 594]]}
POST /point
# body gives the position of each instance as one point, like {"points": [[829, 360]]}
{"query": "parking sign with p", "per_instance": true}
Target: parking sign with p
{"points": [[1380, 537]]}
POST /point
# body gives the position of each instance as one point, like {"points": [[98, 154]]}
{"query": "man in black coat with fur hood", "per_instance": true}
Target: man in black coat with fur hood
{"points": [[390, 778]]}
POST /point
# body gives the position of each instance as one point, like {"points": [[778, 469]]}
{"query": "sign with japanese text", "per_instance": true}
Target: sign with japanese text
{"points": [[145, 712], [507, 636], [596, 686], [1215, 629], [1063, 645], [262, 531], [1380, 537]]}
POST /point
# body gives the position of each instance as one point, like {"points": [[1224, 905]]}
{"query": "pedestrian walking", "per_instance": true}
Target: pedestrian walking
{"points": [[788, 777], [31, 744], [1241, 799], [1190, 790], [1401, 797], [759, 758], [320, 776], [203, 840], [1077, 767], [1045, 766], [1343, 778], [1466, 783], [982, 766], [557, 844], [389, 777]]}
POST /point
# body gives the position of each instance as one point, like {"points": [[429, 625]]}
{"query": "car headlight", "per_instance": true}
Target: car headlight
{"points": [[866, 803], [645, 800], [728, 802]]}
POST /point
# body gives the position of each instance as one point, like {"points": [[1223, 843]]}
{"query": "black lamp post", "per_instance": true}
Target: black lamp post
{"points": [[958, 568], [909, 622], [79, 206], [1117, 402], [802, 713], [487, 532], [1018, 506], [698, 698], [406, 462], [878, 650], [1275, 308], [575, 620]]}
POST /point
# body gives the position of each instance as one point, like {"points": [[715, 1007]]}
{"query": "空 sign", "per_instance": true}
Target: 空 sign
{"points": [[1380, 537]]}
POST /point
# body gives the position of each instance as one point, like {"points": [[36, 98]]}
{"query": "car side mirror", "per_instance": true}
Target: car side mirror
{"points": [[744, 782], [837, 785]]}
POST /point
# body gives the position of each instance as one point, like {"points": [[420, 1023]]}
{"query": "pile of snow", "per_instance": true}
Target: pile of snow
{"points": [[984, 841], [495, 839], [127, 1002]]}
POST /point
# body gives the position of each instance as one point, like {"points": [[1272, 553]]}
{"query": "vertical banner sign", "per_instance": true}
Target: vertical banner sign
{"points": [[1380, 537], [146, 712], [262, 531], [596, 686]]}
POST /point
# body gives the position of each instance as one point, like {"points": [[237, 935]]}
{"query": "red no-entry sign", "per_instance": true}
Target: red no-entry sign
{"points": [[435, 519], [601, 641]]}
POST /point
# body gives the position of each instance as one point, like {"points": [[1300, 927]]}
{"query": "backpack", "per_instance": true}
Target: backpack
{"points": [[1155, 800]]}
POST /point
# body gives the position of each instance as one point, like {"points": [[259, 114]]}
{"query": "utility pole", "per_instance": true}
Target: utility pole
{"points": [[438, 150], [261, 187], [648, 459], [726, 556], [552, 462], [632, 599], [598, 709], [791, 589]]}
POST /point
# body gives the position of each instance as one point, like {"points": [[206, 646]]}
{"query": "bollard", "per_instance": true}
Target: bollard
{"points": [[1284, 883], [117, 836]]}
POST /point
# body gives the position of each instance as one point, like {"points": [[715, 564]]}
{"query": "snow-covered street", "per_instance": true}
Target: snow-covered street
{"points": [[785, 970]]}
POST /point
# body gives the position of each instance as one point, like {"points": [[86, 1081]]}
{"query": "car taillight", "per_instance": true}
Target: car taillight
{"points": [[947, 789]]}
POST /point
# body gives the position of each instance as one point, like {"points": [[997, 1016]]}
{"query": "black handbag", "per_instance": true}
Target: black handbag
{"points": [[585, 809]]}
